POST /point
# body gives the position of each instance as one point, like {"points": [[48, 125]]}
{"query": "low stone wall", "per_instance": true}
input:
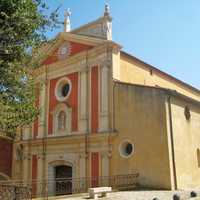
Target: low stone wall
{"points": [[138, 195], [14, 192]]}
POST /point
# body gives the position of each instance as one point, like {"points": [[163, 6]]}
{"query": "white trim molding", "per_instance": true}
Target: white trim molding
{"points": [[60, 83]]}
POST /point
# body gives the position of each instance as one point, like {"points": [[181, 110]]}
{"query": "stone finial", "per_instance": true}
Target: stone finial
{"points": [[67, 23], [107, 10]]}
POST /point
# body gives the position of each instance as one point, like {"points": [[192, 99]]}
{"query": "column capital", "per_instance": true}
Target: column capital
{"points": [[83, 155], [106, 154]]}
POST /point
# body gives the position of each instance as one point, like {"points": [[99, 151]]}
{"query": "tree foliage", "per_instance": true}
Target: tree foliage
{"points": [[23, 24]]}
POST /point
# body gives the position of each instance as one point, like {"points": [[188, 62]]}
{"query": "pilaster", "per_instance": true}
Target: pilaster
{"points": [[103, 114], [83, 117], [42, 102]]}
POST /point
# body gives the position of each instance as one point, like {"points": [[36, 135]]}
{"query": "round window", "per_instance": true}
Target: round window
{"points": [[63, 89], [126, 149]]}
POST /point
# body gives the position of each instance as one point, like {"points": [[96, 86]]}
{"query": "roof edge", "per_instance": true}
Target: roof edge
{"points": [[91, 24], [170, 92], [161, 72]]}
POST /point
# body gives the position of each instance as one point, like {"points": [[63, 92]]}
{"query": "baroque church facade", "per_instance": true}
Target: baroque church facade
{"points": [[105, 112]]}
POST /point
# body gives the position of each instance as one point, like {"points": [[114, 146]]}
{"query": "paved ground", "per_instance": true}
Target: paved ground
{"points": [[137, 195]]}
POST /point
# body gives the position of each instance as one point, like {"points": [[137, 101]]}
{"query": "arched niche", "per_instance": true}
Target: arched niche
{"points": [[62, 128]]}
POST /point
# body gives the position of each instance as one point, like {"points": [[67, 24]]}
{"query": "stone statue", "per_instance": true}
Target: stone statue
{"points": [[61, 121]]}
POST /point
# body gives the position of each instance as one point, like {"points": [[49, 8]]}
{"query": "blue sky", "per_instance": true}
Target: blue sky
{"points": [[164, 33]]}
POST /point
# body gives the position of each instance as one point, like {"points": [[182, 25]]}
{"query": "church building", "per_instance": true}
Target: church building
{"points": [[105, 112]]}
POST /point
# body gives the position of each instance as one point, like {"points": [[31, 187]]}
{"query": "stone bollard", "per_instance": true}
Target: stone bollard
{"points": [[176, 197], [193, 194]]}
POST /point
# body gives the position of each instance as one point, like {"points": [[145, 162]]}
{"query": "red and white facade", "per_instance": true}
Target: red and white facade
{"points": [[74, 127]]}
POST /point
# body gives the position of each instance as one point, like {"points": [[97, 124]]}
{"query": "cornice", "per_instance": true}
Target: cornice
{"points": [[99, 55], [49, 47], [82, 39], [71, 139]]}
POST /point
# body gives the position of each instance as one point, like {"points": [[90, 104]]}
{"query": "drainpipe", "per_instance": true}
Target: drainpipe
{"points": [[88, 120], [172, 143]]}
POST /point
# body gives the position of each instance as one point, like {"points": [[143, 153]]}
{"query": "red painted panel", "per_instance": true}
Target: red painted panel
{"points": [[34, 174], [95, 169], [75, 48], [52, 58], [6, 152], [52, 104], [94, 100], [35, 124], [72, 101]]}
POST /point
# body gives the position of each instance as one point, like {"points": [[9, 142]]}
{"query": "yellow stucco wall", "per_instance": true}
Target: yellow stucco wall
{"points": [[186, 136], [140, 118], [133, 71]]}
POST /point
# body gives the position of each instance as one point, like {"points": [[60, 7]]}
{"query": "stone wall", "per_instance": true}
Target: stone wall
{"points": [[186, 136], [140, 119]]}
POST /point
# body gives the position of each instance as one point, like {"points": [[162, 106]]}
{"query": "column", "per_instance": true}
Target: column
{"points": [[104, 99], [42, 102], [82, 171], [105, 168], [25, 168], [51, 181], [27, 132], [83, 101], [82, 166], [39, 176]]}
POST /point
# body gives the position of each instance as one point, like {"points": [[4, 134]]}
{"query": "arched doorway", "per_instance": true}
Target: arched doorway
{"points": [[63, 177]]}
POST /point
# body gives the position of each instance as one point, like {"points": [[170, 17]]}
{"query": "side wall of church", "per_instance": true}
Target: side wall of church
{"points": [[186, 143], [140, 119], [133, 71]]}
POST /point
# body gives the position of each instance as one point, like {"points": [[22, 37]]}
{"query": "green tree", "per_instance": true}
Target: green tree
{"points": [[23, 24]]}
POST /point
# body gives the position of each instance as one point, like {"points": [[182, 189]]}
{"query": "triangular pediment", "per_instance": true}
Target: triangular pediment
{"points": [[64, 50], [100, 28], [65, 45]]}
